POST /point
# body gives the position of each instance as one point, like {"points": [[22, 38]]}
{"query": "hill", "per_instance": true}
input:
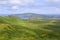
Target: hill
{"points": [[14, 28], [34, 15]]}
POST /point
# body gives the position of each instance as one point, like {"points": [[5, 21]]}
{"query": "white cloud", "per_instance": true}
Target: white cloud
{"points": [[3, 2], [17, 2], [52, 0], [14, 1], [14, 7], [52, 10], [20, 2]]}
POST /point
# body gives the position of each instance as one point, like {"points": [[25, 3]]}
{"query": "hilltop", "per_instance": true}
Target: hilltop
{"points": [[35, 15]]}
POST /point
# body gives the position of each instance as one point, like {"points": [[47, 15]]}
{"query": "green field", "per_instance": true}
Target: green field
{"points": [[13, 28]]}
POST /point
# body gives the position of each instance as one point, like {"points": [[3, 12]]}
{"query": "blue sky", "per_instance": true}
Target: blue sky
{"points": [[30, 6]]}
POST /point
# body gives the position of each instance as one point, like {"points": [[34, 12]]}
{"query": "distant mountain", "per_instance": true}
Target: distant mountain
{"points": [[4, 14], [34, 15]]}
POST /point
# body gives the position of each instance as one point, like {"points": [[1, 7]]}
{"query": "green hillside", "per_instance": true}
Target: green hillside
{"points": [[13, 28]]}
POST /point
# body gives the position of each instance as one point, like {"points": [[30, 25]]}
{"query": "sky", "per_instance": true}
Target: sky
{"points": [[30, 6]]}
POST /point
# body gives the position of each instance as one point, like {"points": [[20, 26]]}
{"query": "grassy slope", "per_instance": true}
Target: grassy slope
{"points": [[12, 28]]}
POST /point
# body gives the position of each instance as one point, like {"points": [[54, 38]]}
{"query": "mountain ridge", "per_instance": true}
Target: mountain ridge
{"points": [[34, 15]]}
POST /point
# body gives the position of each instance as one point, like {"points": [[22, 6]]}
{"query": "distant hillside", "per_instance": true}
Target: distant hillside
{"points": [[34, 15]]}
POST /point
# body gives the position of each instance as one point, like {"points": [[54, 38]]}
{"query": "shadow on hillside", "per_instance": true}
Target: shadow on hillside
{"points": [[55, 28]]}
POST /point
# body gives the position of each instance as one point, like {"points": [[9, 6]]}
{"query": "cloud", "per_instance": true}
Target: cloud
{"points": [[51, 10], [17, 2], [3, 2], [52, 1], [42, 10], [20, 2], [14, 7], [14, 1], [38, 6]]}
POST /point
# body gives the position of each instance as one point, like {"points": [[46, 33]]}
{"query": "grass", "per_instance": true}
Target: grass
{"points": [[13, 28]]}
